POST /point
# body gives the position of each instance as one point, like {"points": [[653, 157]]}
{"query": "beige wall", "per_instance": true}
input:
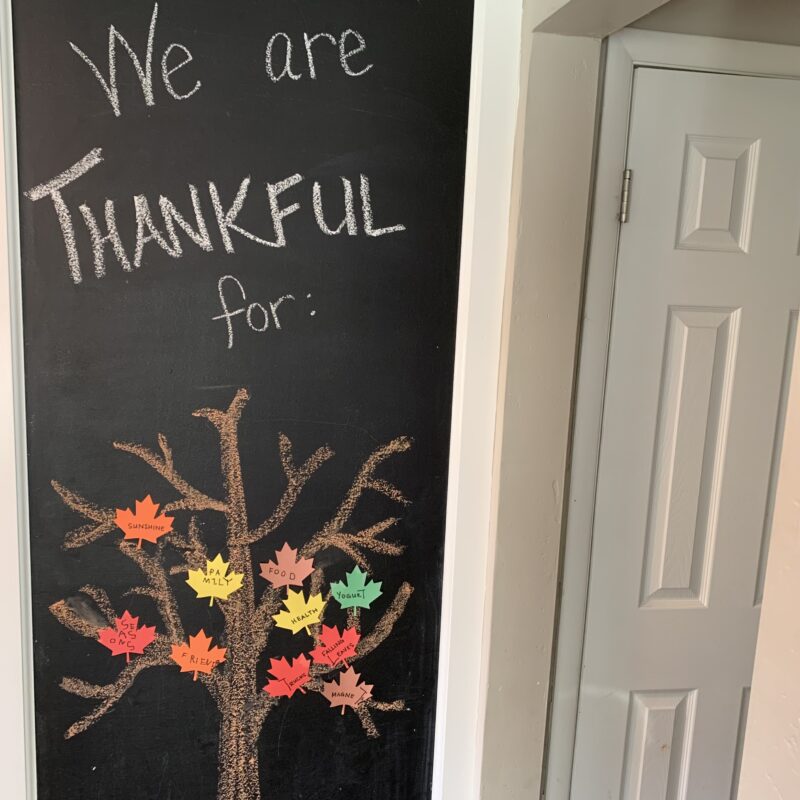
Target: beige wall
{"points": [[541, 327], [776, 21], [771, 759], [596, 18]]}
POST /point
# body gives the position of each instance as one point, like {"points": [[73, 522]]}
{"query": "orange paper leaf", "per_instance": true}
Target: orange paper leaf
{"points": [[336, 647], [198, 655], [126, 637], [287, 569], [347, 691], [146, 524], [288, 678]]}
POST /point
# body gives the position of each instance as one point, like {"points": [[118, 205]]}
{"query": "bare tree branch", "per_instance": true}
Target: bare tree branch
{"points": [[379, 633], [191, 499], [357, 544], [162, 593], [110, 694], [193, 549], [102, 520], [296, 479], [383, 627], [366, 480], [364, 712], [101, 598], [75, 614], [83, 506]]}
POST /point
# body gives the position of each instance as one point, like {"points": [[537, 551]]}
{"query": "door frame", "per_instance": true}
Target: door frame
{"points": [[461, 690], [627, 50]]}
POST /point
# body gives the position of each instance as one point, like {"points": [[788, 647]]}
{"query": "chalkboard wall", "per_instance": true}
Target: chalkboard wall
{"points": [[240, 230]]}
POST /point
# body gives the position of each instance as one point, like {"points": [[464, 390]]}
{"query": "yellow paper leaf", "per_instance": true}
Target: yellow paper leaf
{"points": [[300, 613], [215, 581]]}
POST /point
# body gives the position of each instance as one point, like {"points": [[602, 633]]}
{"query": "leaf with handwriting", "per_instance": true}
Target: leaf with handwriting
{"points": [[346, 691], [126, 636], [356, 591], [336, 647], [287, 569], [215, 581], [198, 655], [145, 524], [288, 678], [300, 613]]}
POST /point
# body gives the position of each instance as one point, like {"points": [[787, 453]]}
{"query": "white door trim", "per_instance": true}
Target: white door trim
{"points": [[494, 101], [16, 672], [626, 51]]}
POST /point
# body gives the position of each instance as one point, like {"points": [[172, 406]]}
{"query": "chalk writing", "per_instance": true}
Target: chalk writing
{"points": [[225, 215], [143, 72], [256, 315], [280, 54]]}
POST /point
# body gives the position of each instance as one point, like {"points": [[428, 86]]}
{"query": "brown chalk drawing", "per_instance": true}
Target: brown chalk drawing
{"points": [[243, 705]]}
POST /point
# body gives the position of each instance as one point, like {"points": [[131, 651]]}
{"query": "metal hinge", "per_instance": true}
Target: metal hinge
{"points": [[625, 195]]}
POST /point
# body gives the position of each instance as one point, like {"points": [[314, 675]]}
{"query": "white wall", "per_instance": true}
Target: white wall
{"points": [[771, 758]]}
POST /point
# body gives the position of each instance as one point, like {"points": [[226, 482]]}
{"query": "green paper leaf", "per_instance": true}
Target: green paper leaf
{"points": [[356, 591]]}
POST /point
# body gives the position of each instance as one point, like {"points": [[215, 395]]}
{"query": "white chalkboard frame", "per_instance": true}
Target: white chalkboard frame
{"points": [[494, 99]]}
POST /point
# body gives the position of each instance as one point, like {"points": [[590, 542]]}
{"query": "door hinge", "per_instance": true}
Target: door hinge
{"points": [[625, 195]]}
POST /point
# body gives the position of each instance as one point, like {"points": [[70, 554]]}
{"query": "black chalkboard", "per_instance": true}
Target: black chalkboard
{"points": [[240, 259]]}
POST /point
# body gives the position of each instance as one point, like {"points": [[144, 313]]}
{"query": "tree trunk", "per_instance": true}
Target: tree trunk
{"points": [[238, 754], [238, 760]]}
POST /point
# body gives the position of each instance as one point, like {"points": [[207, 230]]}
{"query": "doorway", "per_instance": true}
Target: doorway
{"points": [[690, 324]]}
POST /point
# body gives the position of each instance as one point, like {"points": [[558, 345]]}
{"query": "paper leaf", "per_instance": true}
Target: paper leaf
{"points": [[336, 647], [356, 591], [198, 655], [300, 613], [347, 691], [126, 637], [145, 524], [287, 569], [215, 581], [288, 678]]}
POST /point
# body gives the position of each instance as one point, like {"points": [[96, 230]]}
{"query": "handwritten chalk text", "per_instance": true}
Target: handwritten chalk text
{"points": [[163, 229], [144, 73]]}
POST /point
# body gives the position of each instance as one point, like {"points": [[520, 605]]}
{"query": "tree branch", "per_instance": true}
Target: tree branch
{"points": [[77, 615], [156, 656], [296, 479], [364, 712], [193, 549], [379, 633], [384, 626], [152, 566], [102, 520], [192, 499], [357, 544]]}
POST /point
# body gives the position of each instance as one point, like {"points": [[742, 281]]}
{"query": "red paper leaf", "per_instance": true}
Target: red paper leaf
{"points": [[287, 569], [347, 691], [146, 524], [288, 678], [126, 637], [336, 647]]}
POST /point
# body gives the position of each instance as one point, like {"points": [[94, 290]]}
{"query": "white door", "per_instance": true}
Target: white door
{"points": [[708, 281]]}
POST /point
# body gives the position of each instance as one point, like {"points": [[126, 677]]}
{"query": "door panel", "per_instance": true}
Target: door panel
{"points": [[708, 283]]}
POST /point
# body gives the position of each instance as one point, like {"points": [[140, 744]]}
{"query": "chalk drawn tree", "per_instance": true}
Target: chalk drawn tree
{"points": [[248, 614]]}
